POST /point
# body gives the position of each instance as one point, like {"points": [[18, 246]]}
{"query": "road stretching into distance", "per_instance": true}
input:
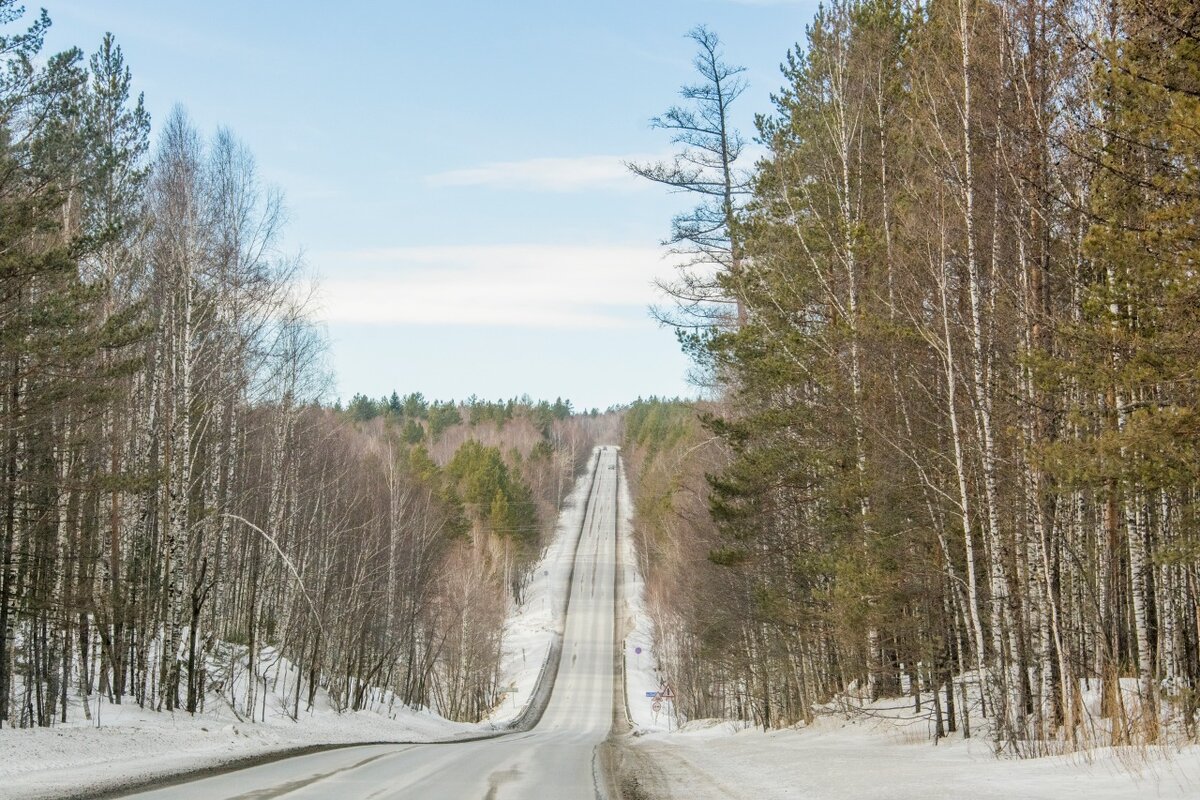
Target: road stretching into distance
{"points": [[552, 760]]}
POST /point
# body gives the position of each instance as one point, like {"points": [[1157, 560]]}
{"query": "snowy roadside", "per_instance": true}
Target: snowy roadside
{"points": [[836, 760], [533, 627], [642, 678], [135, 746]]}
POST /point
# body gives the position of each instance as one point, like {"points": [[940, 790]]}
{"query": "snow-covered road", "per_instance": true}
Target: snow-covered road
{"points": [[553, 760]]}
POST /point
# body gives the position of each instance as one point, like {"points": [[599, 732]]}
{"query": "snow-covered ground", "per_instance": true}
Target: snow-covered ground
{"points": [[131, 745], [837, 760], [533, 626], [642, 678], [134, 745]]}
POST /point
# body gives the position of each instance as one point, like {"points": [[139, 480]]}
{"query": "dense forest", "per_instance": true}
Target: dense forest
{"points": [[183, 511], [953, 337]]}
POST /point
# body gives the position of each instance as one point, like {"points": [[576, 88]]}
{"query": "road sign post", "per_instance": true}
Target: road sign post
{"points": [[667, 694]]}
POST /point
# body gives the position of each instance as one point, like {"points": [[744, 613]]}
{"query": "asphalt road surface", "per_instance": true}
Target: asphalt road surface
{"points": [[553, 760]]}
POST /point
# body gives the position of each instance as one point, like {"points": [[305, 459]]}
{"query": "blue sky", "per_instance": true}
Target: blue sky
{"points": [[453, 170]]}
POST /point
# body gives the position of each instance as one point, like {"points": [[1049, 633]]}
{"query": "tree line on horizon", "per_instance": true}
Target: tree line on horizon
{"points": [[951, 321]]}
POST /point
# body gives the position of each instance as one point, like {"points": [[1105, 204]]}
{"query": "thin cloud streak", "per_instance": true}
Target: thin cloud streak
{"points": [[548, 174], [531, 286]]}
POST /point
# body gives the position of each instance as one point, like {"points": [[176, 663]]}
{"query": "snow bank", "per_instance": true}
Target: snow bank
{"points": [[838, 760], [642, 677], [133, 745]]}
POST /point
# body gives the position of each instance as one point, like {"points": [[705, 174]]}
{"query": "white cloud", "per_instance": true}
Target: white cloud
{"points": [[547, 174], [542, 286]]}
